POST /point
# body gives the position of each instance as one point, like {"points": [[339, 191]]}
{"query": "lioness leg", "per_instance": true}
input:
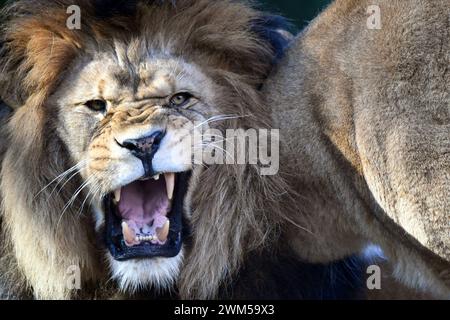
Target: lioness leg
{"points": [[406, 163], [401, 124]]}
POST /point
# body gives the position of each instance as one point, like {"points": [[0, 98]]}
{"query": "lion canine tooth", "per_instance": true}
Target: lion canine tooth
{"points": [[117, 193], [170, 184], [162, 233], [156, 177], [128, 234]]}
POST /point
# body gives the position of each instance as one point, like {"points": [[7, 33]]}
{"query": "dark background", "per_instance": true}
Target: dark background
{"points": [[300, 12]]}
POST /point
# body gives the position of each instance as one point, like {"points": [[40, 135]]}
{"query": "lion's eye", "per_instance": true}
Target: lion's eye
{"points": [[180, 99], [97, 105]]}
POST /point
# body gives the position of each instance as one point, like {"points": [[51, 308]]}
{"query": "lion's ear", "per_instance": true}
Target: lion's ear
{"points": [[35, 49]]}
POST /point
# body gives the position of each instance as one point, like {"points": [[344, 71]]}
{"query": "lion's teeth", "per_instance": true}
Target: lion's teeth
{"points": [[156, 177], [117, 193], [170, 184], [128, 234], [145, 238], [163, 232]]}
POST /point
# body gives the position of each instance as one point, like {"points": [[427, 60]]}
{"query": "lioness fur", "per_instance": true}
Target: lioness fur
{"points": [[365, 118]]}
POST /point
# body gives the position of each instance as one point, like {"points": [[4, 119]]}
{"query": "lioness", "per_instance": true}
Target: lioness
{"points": [[364, 107]]}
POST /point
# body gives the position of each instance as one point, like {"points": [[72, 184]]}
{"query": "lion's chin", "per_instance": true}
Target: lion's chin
{"points": [[138, 274]]}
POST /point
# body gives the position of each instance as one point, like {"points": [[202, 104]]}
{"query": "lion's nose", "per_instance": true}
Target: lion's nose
{"points": [[144, 148]]}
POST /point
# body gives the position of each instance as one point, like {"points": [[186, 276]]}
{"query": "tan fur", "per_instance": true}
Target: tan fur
{"points": [[47, 71], [365, 120]]}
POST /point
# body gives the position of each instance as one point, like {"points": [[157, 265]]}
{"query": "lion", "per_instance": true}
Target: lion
{"points": [[364, 108], [97, 181], [101, 115]]}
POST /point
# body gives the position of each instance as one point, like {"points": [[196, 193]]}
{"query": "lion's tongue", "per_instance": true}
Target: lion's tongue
{"points": [[143, 207]]}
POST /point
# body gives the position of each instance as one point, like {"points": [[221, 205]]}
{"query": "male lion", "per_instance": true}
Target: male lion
{"points": [[101, 113], [365, 110], [100, 117]]}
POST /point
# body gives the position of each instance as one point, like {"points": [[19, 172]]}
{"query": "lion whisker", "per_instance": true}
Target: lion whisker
{"points": [[61, 176], [64, 184], [218, 118], [92, 191], [97, 190], [74, 196], [97, 193]]}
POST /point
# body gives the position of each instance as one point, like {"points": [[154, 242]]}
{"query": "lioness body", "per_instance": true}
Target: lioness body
{"points": [[365, 117]]}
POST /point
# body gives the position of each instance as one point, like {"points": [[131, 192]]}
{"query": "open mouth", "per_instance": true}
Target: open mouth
{"points": [[144, 219]]}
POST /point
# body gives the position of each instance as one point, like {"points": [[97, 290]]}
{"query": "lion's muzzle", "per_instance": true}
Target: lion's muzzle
{"points": [[144, 149]]}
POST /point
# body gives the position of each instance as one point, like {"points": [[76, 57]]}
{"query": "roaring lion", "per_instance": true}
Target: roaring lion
{"points": [[100, 116], [362, 97]]}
